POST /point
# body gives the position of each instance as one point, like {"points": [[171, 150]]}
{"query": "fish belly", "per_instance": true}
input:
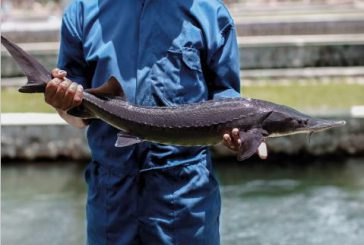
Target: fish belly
{"points": [[184, 136]]}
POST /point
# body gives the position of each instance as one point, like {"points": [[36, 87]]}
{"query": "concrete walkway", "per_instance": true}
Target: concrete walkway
{"points": [[8, 119], [297, 40]]}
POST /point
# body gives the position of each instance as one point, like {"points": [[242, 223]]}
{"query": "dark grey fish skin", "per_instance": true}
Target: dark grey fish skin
{"points": [[186, 125], [202, 123]]}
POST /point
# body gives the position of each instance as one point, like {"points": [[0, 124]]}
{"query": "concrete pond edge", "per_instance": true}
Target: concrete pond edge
{"points": [[30, 136]]}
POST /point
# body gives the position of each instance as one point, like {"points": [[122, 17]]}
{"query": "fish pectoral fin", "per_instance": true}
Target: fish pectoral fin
{"points": [[124, 139], [250, 141], [81, 111]]}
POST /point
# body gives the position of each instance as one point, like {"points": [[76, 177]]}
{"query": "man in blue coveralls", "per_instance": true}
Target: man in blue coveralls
{"points": [[164, 53]]}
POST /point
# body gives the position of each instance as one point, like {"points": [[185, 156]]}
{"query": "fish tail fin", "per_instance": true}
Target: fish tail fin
{"points": [[37, 74]]}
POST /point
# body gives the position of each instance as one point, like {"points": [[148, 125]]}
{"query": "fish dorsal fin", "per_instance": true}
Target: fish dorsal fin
{"points": [[111, 87], [82, 112]]}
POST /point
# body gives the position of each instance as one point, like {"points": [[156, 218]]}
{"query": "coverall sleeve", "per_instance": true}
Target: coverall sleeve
{"points": [[224, 66], [71, 57]]}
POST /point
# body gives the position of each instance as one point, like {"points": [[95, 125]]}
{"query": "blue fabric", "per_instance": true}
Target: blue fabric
{"points": [[163, 53]]}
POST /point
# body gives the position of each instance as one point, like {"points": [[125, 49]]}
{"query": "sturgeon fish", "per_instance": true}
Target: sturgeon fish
{"points": [[201, 123]]}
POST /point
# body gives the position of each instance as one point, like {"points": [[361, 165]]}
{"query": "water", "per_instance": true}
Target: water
{"points": [[42, 204], [263, 203], [321, 203]]}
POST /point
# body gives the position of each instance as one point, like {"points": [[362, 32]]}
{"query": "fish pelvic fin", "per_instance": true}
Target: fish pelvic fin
{"points": [[36, 73], [250, 141], [110, 88], [125, 139]]}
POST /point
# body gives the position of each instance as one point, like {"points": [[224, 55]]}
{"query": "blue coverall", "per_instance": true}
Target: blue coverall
{"points": [[164, 53]]}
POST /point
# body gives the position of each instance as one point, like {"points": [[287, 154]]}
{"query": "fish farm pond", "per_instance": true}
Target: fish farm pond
{"points": [[290, 201]]}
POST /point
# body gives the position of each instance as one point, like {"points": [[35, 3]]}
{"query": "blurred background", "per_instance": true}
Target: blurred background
{"points": [[308, 54]]}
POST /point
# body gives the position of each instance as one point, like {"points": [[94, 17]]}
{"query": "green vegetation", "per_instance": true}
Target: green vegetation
{"points": [[13, 101], [318, 97]]}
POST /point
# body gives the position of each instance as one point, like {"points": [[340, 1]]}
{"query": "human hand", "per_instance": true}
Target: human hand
{"points": [[61, 93], [233, 142]]}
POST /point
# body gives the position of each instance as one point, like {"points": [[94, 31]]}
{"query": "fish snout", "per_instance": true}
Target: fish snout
{"points": [[322, 124]]}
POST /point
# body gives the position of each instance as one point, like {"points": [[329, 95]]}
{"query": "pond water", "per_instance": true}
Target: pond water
{"points": [[275, 202]]}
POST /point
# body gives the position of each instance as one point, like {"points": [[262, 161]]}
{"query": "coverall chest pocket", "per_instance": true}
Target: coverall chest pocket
{"points": [[177, 78]]}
